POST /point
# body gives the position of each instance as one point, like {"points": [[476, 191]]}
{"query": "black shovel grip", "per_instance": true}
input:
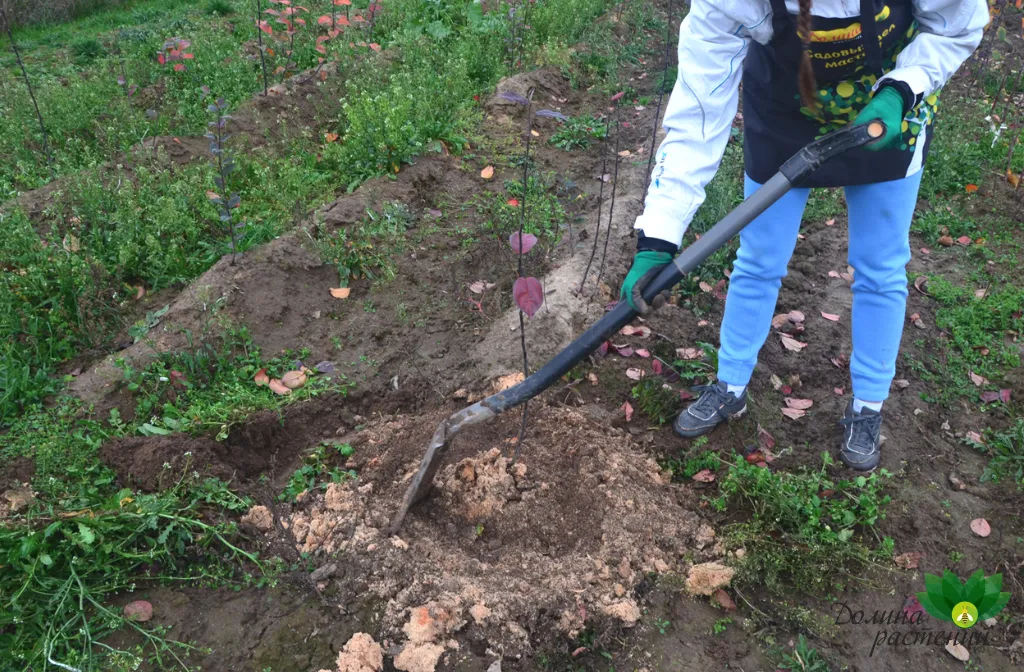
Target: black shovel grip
{"points": [[792, 172]]}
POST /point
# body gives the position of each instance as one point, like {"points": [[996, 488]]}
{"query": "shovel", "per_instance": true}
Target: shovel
{"points": [[791, 174]]}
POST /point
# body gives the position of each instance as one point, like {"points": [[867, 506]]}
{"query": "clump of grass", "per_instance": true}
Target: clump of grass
{"points": [[802, 525], [365, 249], [692, 462], [317, 470], [85, 50], [803, 658], [219, 8]]}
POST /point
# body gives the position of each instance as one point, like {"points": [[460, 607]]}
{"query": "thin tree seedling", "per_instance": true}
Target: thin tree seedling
{"points": [[225, 166], [615, 181]]}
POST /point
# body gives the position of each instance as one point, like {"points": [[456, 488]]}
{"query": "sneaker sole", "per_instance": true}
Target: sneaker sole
{"points": [[694, 433]]}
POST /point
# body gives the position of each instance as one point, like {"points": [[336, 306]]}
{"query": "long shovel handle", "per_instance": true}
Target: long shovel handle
{"points": [[791, 174]]}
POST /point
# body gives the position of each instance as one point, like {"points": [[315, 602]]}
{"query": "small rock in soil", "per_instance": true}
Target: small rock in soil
{"points": [[325, 572], [361, 654], [626, 611], [259, 517], [419, 657], [955, 482], [140, 611], [19, 499], [706, 578], [990, 622]]}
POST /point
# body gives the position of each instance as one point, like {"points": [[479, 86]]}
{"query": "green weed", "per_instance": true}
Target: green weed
{"points": [[86, 50], [689, 463], [219, 8], [1005, 450], [545, 213], [658, 401], [721, 625], [578, 133], [366, 249], [317, 470], [803, 658]]}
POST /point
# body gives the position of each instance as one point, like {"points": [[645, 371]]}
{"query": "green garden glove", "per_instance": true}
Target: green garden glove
{"points": [[646, 265], [887, 107]]}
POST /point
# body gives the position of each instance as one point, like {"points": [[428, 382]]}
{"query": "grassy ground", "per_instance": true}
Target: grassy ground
{"points": [[73, 273]]}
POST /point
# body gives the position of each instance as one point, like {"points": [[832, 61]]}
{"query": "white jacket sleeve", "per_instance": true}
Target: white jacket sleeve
{"points": [[700, 112], [950, 31]]}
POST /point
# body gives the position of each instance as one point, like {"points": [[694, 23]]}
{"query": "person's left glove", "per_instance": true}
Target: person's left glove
{"points": [[646, 265], [887, 106]]}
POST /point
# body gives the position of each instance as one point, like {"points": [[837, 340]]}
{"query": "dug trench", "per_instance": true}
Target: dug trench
{"points": [[503, 561]]}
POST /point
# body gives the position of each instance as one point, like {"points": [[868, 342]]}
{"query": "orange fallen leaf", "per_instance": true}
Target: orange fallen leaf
{"points": [[833, 274], [341, 292], [908, 560], [792, 344], [830, 222], [977, 380], [534, 133], [487, 173], [793, 413], [293, 379], [800, 404], [330, 137], [704, 476], [261, 377], [212, 195], [981, 527], [628, 410], [971, 188], [830, 316], [141, 292], [946, 241], [1013, 179]]}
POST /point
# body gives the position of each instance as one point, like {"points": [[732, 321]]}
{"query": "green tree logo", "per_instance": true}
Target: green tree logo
{"points": [[947, 598]]}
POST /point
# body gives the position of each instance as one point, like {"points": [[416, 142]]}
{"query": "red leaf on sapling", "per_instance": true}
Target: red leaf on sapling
{"points": [[529, 240], [528, 295], [704, 476], [325, 20]]}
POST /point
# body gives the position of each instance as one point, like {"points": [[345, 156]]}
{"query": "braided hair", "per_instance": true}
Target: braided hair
{"points": [[808, 87]]}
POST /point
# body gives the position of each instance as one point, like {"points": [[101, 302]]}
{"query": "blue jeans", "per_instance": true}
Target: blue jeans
{"points": [[879, 249]]}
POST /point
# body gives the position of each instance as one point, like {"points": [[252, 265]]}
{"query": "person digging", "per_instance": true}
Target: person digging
{"points": [[805, 71]]}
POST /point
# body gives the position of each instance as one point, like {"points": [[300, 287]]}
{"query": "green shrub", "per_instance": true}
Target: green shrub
{"points": [[86, 50]]}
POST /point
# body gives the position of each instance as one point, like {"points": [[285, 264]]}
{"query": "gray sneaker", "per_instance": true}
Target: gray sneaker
{"points": [[715, 404], [861, 446]]}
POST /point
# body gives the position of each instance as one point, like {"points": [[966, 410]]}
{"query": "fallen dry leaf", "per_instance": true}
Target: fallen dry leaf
{"points": [[624, 153], [839, 362], [925, 250], [833, 274], [830, 316], [689, 353], [981, 527], [764, 439], [791, 343], [592, 377], [955, 649], [623, 350], [775, 381], [293, 380], [901, 383], [793, 413], [534, 133], [330, 137], [838, 391], [140, 611], [780, 320], [912, 606], [628, 409], [989, 396], [964, 240], [278, 387], [977, 380], [908, 560], [704, 476], [722, 599], [140, 292], [487, 173], [802, 404], [975, 437], [795, 316], [261, 377], [919, 283], [641, 352], [640, 331], [846, 276], [946, 241], [634, 373], [830, 222], [341, 292], [1004, 396], [704, 287]]}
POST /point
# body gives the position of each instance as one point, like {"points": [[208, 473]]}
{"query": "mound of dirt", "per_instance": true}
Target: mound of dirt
{"points": [[509, 553], [549, 86]]}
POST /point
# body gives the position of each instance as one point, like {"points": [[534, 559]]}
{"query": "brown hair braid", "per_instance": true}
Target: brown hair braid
{"points": [[808, 87]]}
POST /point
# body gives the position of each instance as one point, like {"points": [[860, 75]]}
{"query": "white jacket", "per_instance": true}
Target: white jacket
{"points": [[713, 41]]}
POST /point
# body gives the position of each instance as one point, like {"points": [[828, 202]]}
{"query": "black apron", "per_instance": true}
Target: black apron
{"points": [[846, 68]]}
